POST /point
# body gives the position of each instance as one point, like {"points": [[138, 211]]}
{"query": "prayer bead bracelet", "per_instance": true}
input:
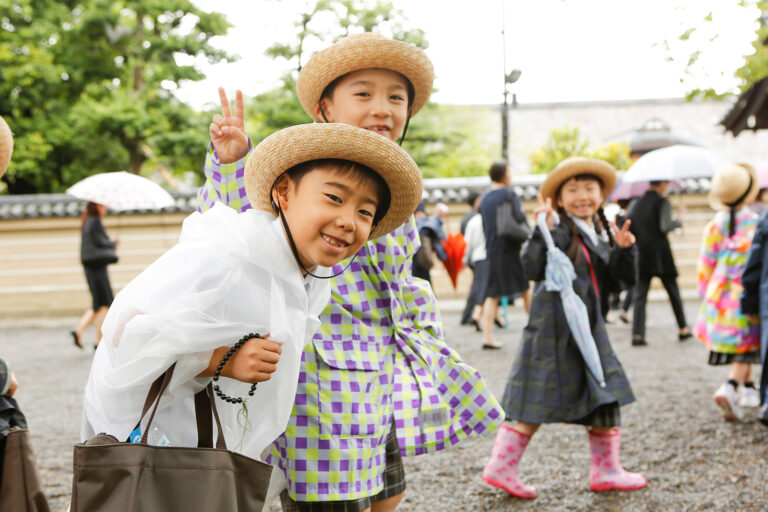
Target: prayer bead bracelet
{"points": [[221, 394]]}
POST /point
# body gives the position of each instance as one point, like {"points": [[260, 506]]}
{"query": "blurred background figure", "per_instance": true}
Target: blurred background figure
{"points": [[615, 212], [475, 258], [505, 270], [473, 200], [96, 252], [431, 233], [732, 337], [651, 216]]}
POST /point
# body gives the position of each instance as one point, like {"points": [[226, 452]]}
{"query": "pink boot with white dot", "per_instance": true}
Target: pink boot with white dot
{"points": [[501, 471], [606, 472]]}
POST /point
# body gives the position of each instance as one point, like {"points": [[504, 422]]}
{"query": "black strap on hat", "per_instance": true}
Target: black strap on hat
{"points": [[294, 250], [733, 204]]}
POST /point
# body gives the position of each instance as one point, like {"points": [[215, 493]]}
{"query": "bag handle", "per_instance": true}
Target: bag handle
{"points": [[156, 399], [204, 405]]}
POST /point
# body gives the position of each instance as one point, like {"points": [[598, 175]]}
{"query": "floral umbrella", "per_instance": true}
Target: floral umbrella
{"points": [[558, 277], [122, 191], [454, 245]]}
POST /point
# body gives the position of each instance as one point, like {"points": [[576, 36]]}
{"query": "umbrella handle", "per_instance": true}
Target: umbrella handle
{"points": [[541, 221]]}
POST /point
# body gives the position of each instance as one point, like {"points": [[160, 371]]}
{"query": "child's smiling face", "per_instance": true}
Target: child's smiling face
{"points": [[330, 214], [374, 99], [581, 196]]}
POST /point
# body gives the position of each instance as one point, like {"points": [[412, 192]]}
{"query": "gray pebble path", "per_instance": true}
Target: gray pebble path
{"points": [[673, 434]]}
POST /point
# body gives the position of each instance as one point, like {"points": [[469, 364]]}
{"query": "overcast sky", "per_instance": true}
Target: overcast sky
{"points": [[567, 50]]}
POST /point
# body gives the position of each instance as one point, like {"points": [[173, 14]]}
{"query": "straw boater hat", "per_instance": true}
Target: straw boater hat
{"points": [[364, 51], [302, 143], [574, 166], [732, 184], [6, 146]]}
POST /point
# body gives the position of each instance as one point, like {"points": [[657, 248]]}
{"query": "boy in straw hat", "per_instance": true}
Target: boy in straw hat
{"points": [[549, 381], [378, 380], [320, 191], [732, 337]]}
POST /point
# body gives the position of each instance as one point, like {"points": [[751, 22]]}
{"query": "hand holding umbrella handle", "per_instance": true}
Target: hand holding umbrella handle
{"points": [[541, 220]]}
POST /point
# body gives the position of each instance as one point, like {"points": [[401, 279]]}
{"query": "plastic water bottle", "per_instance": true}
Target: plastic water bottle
{"points": [[157, 437]]}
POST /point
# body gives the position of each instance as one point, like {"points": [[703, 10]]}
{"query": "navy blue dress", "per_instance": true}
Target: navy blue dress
{"points": [[505, 270]]}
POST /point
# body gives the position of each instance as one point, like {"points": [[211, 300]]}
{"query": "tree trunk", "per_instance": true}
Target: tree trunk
{"points": [[137, 156]]}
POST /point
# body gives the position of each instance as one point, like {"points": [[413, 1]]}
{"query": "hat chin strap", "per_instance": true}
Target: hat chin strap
{"points": [[732, 206], [295, 251]]}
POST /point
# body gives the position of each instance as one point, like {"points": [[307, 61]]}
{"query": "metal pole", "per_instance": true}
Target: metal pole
{"points": [[504, 106]]}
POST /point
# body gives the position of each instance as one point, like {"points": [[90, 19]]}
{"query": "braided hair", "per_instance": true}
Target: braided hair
{"points": [[606, 226], [573, 248]]}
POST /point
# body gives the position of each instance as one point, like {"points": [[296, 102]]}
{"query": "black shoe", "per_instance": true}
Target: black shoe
{"points": [[491, 347], [498, 323], [683, 337], [76, 339], [639, 343], [477, 325]]}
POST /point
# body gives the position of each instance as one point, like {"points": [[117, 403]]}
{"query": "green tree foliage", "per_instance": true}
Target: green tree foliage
{"points": [[568, 141], [443, 140], [87, 86], [701, 38]]}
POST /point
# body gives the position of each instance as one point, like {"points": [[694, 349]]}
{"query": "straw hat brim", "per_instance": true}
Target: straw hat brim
{"points": [[574, 166], [6, 146], [364, 51], [717, 204], [302, 143]]}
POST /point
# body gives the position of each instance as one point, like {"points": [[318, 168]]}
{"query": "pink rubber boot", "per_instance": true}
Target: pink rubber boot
{"points": [[606, 472], [501, 471]]}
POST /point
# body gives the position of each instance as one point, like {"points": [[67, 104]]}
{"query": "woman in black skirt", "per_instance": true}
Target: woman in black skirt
{"points": [[96, 252], [506, 277], [549, 381]]}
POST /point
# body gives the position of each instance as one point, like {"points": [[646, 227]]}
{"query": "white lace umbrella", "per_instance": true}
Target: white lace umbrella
{"points": [[676, 162], [122, 191]]}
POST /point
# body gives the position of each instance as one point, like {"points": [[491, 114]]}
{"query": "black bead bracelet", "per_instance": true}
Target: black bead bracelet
{"points": [[221, 394]]}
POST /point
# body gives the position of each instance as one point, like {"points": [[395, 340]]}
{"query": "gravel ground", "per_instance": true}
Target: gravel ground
{"points": [[673, 434]]}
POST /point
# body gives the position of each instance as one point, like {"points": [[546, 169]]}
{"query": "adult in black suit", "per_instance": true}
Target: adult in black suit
{"points": [[651, 217]]}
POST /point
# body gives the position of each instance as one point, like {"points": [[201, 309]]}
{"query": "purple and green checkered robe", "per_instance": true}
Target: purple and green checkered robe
{"points": [[379, 357]]}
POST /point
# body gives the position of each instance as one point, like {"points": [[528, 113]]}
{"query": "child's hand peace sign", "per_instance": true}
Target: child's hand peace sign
{"points": [[228, 132], [544, 207], [623, 237]]}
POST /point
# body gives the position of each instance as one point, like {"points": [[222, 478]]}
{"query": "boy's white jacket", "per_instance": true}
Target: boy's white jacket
{"points": [[230, 274]]}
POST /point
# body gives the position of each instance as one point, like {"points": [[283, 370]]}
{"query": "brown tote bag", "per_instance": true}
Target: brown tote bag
{"points": [[21, 490], [110, 476]]}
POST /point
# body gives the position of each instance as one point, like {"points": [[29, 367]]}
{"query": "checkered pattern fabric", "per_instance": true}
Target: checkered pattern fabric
{"points": [[379, 353]]}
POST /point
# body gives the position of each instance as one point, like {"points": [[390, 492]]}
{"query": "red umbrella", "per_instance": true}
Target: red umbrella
{"points": [[454, 245]]}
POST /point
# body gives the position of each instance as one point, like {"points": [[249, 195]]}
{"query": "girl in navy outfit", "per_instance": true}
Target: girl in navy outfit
{"points": [[549, 381]]}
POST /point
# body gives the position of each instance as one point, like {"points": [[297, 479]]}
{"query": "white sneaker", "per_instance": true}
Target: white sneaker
{"points": [[727, 399], [749, 397]]}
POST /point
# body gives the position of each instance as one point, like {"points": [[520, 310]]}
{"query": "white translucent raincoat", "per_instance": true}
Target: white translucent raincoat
{"points": [[230, 274]]}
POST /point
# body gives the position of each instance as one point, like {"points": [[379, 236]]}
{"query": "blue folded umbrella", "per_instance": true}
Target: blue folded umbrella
{"points": [[559, 276]]}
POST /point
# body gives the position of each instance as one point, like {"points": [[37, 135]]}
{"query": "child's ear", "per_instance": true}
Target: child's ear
{"points": [[324, 106], [280, 191]]}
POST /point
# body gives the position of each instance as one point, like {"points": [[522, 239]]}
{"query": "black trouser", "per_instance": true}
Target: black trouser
{"points": [[640, 297], [628, 299], [764, 381]]}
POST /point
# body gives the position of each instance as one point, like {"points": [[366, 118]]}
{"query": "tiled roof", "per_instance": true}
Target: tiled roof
{"points": [[447, 190]]}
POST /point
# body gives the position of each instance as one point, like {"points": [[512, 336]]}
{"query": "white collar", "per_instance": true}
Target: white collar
{"points": [[589, 230]]}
